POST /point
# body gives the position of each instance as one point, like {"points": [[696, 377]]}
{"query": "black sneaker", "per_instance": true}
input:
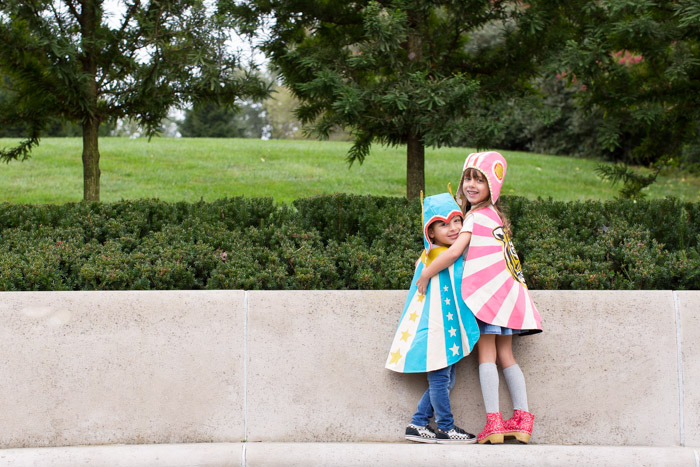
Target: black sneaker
{"points": [[455, 435], [420, 434]]}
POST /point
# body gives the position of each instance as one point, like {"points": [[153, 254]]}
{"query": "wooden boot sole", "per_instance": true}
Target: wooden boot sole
{"points": [[496, 438], [522, 437]]}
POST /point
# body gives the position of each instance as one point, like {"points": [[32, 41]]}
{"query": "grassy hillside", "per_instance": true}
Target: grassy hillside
{"points": [[188, 169]]}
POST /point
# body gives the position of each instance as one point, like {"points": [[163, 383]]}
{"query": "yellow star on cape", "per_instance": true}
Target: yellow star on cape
{"points": [[421, 297], [452, 331], [449, 316], [405, 335], [413, 316], [395, 356], [447, 301], [454, 349]]}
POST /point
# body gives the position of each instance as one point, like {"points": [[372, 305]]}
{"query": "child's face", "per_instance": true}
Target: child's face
{"points": [[475, 186], [445, 233]]}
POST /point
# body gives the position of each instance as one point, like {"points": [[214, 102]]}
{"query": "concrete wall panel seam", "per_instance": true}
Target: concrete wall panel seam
{"points": [[677, 309], [243, 453], [245, 371], [697, 458]]}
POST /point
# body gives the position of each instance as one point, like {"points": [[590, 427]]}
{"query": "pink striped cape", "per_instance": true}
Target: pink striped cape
{"points": [[493, 285]]}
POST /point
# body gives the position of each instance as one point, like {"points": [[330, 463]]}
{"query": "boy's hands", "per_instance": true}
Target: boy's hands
{"points": [[422, 283]]}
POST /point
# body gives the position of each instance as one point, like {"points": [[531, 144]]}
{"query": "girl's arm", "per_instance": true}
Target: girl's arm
{"points": [[443, 261]]}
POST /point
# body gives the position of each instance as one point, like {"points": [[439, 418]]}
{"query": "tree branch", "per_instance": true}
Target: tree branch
{"points": [[57, 16], [71, 8]]}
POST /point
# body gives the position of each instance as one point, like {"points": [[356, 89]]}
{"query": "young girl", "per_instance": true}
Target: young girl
{"points": [[493, 287], [436, 328]]}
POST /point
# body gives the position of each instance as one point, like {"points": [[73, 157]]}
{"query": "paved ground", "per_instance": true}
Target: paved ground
{"points": [[348, 455]]}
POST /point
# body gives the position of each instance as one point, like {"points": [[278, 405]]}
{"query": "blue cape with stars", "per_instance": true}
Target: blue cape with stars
{"points": [[436, 329]]}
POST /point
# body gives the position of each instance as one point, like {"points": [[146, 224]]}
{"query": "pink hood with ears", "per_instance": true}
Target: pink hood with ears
{"points": [[492, 165]]}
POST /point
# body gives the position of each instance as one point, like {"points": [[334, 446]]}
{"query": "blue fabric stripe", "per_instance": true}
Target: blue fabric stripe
{"points": [[417, 356], [449, 310], [468, 320]]}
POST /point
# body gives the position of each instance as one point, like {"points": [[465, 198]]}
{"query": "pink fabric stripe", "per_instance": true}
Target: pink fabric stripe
{"points": [[479, 251], [479, 278], [482, 230], [517, 316], [490, 309], [491, 214]]}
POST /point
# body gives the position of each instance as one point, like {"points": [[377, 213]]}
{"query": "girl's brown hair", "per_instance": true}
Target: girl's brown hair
{"points": [[466, 207]]}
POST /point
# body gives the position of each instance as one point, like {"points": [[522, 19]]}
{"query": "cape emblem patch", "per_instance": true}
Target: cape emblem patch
{"points": [[511, 257]]}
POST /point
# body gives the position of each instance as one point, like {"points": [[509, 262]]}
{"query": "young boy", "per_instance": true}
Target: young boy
{"points": [[436, 330]]}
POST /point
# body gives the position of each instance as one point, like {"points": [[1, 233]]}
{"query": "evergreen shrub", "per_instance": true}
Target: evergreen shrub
{"points": [[332, 242]]}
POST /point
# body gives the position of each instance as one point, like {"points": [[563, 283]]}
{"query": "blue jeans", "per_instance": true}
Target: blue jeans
{"points": [[436, 399]]}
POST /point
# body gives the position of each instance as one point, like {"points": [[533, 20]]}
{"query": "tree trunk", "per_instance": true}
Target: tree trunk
{"points": [[415, 167], [415, 150], [91, 123], [91, 160]]}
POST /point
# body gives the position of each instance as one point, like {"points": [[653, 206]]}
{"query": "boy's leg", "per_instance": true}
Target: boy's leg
{"points": [[425, 410], [453, 377], [439, 381], [418, 430]]}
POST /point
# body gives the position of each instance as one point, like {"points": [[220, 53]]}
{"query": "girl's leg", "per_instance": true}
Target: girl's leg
{"points": [[512, 372], [520, 425], [488, 377], [488, 373], [504, 351], [486, 346]]}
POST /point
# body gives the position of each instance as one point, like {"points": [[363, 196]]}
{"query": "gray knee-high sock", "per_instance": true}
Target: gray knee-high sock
{"points": [[488, 376], [516, 385]]}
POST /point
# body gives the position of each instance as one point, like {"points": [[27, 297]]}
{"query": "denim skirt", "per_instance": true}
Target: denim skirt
{"points": [[485, 328]]}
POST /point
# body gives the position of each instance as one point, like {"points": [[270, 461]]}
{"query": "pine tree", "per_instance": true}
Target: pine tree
{"points": [[67, 59], [403, 71], [639, 64]]}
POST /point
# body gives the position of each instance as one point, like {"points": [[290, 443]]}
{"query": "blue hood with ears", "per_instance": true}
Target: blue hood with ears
{"points": [[440, 207]]}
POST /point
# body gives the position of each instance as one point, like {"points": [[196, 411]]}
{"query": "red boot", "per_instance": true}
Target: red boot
{"points": [[519, 426], [493, 431]]}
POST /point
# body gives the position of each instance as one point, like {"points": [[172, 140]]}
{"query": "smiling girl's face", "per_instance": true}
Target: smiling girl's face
{"points": [[475, 186]]}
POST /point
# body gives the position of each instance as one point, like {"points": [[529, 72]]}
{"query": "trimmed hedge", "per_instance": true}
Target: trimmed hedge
{"points": [[332, 242]]}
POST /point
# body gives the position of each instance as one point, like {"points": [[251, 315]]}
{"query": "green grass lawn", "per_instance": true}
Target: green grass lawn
{"points": [[190, 169]]}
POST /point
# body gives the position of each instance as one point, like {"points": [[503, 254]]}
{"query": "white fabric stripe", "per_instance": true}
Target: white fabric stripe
{"points": [[485, 292], [507, 306], [486, 221], [529, 321], [483, 262], [412, 326], [435, 353], [480, 240]]}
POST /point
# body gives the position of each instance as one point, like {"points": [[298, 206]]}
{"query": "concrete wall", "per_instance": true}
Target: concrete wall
{"points": [[611, 368]]}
